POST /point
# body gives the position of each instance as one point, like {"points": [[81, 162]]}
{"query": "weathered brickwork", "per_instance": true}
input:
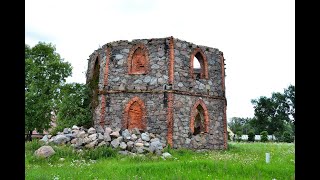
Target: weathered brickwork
{"points": [[153, 85]]}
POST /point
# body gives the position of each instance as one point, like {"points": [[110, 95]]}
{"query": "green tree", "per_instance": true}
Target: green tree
{"points": [[45, 72], [287, 137], [240, 124], [251, 135], [289, 94], [239, 135], [74, 106], [272, 113], [264, 136]]}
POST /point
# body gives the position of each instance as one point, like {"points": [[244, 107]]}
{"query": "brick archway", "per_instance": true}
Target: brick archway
{"points": [[134, 114], [195, 112], [197, 52], [138, 60]]}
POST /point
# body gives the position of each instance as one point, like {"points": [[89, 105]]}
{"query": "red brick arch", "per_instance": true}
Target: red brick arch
{"points": [[194, 113], [203, 63], [142, 57], [134, 114]]}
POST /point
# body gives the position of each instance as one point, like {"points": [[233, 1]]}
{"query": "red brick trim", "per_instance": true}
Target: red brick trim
{"points": [[225, 133], [222, 71], [105, 83], [193, 114], [106, 69], [203, 64], [171, 63], [126, 113], [131, 53], [170, 94], [170, 119]]}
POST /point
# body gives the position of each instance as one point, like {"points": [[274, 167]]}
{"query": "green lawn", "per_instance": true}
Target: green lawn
{"points": [[240, 161]]}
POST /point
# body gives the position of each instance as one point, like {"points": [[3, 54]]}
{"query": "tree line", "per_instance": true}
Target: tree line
{"points": [[275, 115]]}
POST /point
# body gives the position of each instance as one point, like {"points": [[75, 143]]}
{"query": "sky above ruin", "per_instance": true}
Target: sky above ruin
{"points": [[257, 38]]}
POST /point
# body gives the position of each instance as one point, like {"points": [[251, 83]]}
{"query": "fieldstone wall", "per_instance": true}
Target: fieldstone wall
{"points": [[182, 77], [150, 82], [213, 139], [155, 111]]}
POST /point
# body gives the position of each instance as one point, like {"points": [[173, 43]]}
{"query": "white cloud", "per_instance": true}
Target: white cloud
{"points": [[257, 37]]}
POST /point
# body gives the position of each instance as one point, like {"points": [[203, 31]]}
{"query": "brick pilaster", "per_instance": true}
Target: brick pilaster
{"points": [[170, 94], [105, 83]]}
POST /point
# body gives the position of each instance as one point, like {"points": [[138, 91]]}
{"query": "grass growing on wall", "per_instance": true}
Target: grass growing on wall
{"points": [[240, 161]]}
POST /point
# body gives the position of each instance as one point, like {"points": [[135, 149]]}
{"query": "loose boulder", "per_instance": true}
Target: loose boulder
{"points": [[44, 151]]}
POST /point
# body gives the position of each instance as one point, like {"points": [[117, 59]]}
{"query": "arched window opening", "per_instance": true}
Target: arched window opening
{"points": [[199, 122], [196, 68], [198, 65], [95, 76], [93, 84], [199, 118]]}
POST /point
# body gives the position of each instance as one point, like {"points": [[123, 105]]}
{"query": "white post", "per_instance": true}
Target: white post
{"points": [[267, 157]]}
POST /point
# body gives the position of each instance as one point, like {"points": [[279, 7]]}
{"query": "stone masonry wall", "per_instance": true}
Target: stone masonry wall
{"points": [[155, 112], [120, 86], [182, 137], [119, 79], [182, 77]]}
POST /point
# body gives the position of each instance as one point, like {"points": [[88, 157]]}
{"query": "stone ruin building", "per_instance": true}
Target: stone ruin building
{"points": [[152, 85]]}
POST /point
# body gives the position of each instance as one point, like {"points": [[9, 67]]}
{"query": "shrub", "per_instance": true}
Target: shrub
{"points": [[287, 137], [251, 135], [278, 137], [239, 134], [264, 136]]}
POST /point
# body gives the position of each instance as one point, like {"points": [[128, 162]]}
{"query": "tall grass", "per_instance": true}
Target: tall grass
{"points": [[240, 161]]}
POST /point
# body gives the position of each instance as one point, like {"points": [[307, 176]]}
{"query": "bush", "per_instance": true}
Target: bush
{"points": [[264, 136], [278, 136], [251, 135], [287, 137], [239, 134]]}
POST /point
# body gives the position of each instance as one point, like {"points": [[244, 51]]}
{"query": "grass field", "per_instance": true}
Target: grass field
{"points": [[240, 161]]}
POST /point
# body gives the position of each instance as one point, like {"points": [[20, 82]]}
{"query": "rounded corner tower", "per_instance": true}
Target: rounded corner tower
{"points": [[152, 85]]}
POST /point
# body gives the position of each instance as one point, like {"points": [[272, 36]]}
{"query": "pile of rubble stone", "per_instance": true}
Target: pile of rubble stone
{"points": [[126, 141]]}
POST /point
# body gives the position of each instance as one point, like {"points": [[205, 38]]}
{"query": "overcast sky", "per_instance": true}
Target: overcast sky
{"points": [[257, 37]]}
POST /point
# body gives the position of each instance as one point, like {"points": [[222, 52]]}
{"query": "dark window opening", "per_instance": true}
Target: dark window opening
{"points": [[199, 121], [94, 84]]}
